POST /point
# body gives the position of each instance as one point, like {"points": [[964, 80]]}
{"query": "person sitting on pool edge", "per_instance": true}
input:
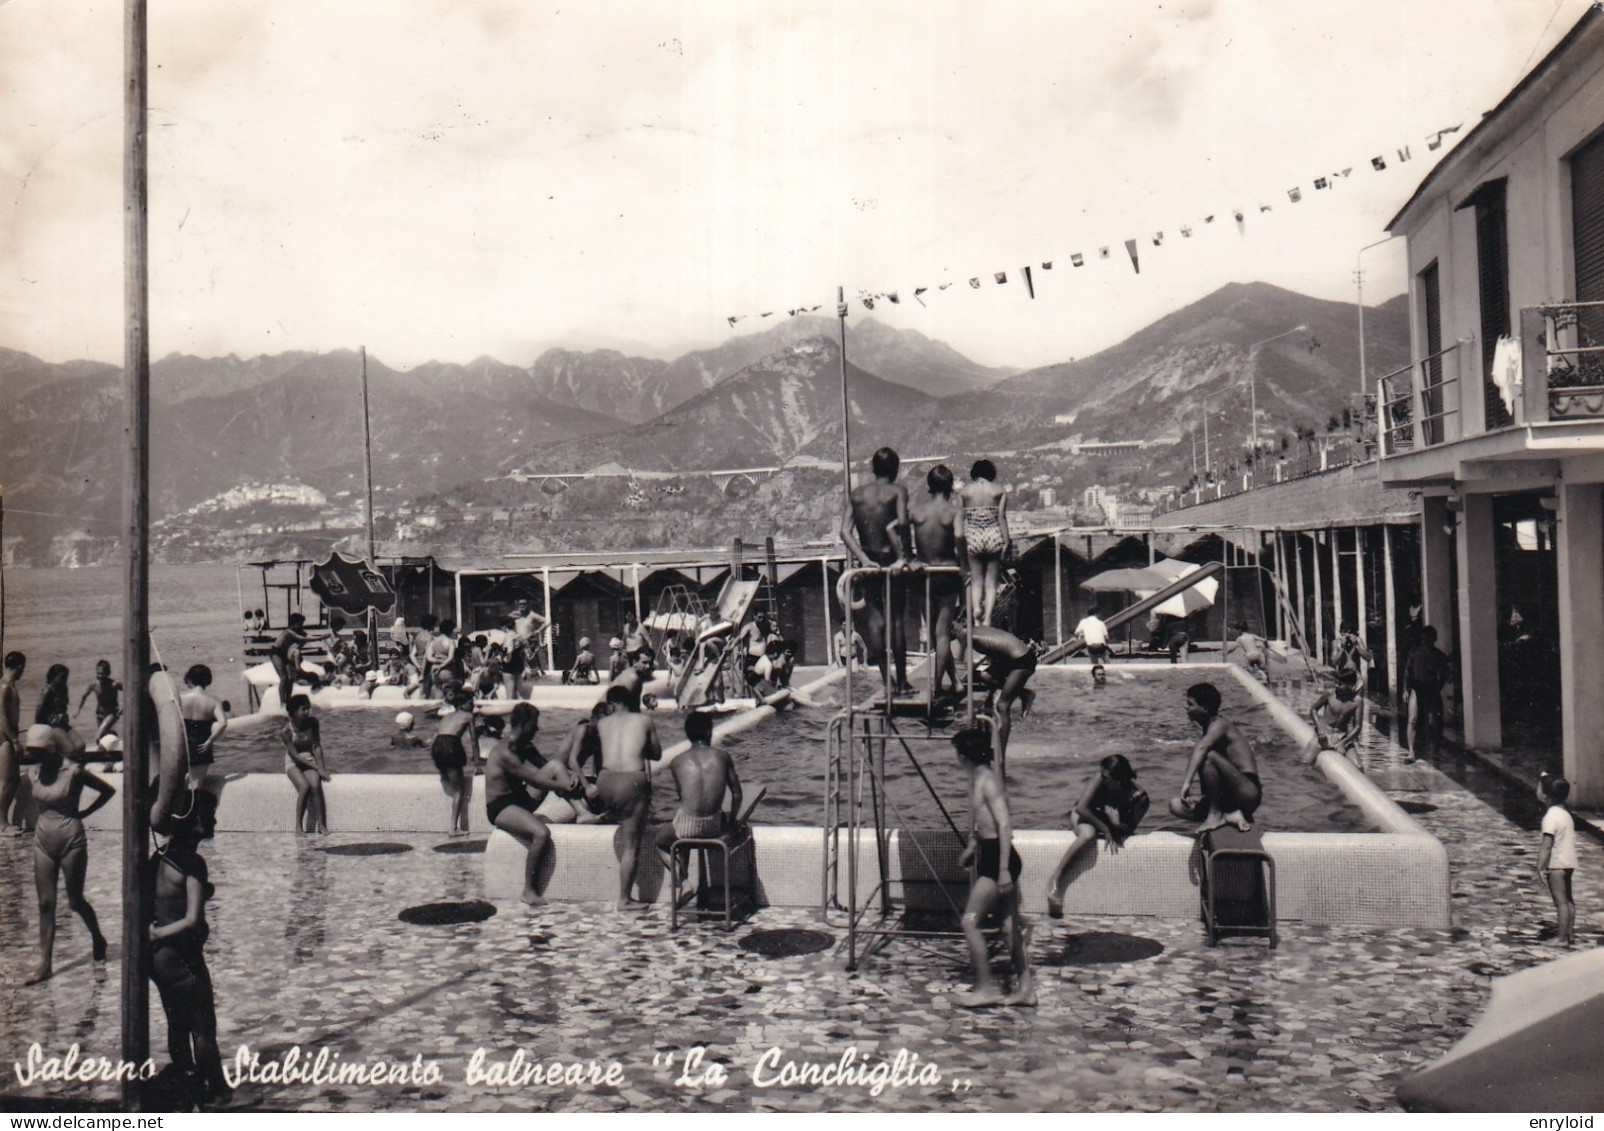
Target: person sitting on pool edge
{"points": [[1111, 806], [514, 766], [1222, 762], [702, 774]]}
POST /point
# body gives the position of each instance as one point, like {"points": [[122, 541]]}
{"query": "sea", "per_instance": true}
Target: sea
{"points": [[74, 617]]}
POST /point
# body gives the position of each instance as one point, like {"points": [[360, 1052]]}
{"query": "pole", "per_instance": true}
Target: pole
{"points": [[829, 629], [367, 464], [1391, 598], [1359, 283], [846, 401], [136, 550], [1058, 591]]}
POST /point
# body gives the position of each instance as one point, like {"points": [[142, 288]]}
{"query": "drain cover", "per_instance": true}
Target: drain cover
{"points": [[461, 847], [1098, 947], [446, 914], [376, 849], [787, 942], [1417, 807]]}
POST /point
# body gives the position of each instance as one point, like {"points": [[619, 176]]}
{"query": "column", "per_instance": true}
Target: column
{"points": [[1336, 579], [1581, 638], [1361, 612], [1391, 611], [1319, 587], [1478, 624]]}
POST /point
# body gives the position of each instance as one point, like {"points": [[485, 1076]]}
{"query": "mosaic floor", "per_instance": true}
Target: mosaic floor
{"points": [[1135, 1014]]}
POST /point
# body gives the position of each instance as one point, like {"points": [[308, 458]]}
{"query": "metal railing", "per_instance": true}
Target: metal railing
{"points": [[1414, 405], [1562, 361]]}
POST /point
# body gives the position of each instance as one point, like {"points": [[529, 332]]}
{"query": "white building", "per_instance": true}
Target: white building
{"points": [[1506, 444]]}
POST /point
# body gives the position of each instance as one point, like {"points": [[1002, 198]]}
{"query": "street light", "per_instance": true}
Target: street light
{"points": [[1359, 282], [1253, 386]]}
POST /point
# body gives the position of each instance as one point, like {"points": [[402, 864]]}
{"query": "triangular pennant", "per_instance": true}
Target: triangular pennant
{"points": [[1000, 276], [917, 291], [1130, 249], [1158, 239], [1378, 163], [943, 286], [1030, 286], [1294, 195], [1348, 172], [766, 314], [892, 297], [1077, 259], [1265, 207], [733, 319], [975, 282], [1208, 219]]}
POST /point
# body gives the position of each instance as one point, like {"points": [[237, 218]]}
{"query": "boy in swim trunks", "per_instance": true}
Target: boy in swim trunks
{"points": [[108, 709], [702, 774], [935, 542], [991, 836], [1343, 719], [624, 786], [1010, 664], [1556, 859], [874, 531], [1223, 764], [514, 766]]}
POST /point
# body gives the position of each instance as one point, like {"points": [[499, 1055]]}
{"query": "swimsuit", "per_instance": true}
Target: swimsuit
{"points": [[988, 863], [983, 530], [56, 834], [304, 742], [448, 754], [618, 789], [517, 799], [689, 827], [177, 964], [196, 733]]}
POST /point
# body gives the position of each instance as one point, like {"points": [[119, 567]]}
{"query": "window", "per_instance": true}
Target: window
{"points": [[1587, 237]]}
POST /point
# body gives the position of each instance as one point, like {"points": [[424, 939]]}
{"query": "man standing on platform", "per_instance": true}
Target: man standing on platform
{"points": [[874, 529]]}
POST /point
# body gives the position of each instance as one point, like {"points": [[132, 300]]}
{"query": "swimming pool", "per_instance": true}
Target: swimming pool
{"points": [[1051, 755]]}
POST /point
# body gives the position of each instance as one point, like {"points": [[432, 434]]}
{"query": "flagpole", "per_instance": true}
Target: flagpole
{"points": [[373, 555], [136, 550]]}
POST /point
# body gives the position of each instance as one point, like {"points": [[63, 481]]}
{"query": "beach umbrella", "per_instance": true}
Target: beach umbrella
{"points": [[351, 585], [1126, 581], [1537, 1046], [1187, 601]]}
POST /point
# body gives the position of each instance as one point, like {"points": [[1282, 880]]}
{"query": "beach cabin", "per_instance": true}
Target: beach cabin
{"points": [[1497, 422]]}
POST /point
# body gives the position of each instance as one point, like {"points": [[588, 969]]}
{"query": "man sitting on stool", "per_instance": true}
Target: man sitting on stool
{"points": [[701, 774]]}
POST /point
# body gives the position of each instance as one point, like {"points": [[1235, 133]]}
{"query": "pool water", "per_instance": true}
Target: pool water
{"points": [[356, 740], [1051, 756]]}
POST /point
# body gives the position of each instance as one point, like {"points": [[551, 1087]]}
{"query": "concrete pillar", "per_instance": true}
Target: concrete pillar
{"points": [[1436, 550], [1478, 624], [1361, 600], [1336, 580], [1391, 612], [1319, 588], [1302, 609], [1581, 638]]}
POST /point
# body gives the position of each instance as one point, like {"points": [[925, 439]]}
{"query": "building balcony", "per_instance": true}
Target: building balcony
{"points": [[1432, 425]]}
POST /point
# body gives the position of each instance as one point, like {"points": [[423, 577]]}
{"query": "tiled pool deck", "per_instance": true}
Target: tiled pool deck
{"points": [[307, 950]]}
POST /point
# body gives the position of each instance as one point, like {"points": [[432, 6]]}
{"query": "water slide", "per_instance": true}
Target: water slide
{"points": [[734, 601], [1213, 569]]}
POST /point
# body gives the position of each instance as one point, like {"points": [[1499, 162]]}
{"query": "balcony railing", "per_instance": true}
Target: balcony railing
{"points": [[1559, 377], [1562, 361], [1414, 405]]}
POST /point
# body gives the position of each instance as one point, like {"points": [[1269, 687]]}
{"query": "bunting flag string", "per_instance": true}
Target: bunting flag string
{"points": [[1379, 163]]}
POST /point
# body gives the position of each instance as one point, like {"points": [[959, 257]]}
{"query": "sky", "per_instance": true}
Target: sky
{"points": [[446, 179]]}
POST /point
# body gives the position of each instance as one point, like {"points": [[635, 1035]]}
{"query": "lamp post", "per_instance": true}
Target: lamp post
{"points": [[1359, 283], [1253, 387]]}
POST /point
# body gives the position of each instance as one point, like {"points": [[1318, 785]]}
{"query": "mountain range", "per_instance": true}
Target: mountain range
{"points": [[440, 429]]}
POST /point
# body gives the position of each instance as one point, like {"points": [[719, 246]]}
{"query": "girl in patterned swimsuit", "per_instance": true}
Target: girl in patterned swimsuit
{"points": [[982, 527]]}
